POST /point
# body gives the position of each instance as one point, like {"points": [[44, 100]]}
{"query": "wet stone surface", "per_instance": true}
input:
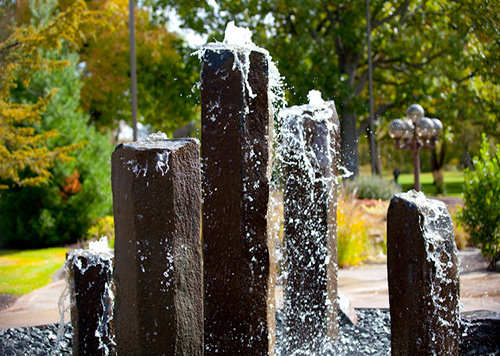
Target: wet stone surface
{"points": [[424, 288], [158, 273], [238, 252], [371, 336], [309, 161]]}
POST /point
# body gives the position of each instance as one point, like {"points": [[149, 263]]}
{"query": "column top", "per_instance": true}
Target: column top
{"points": [[158, 140]]}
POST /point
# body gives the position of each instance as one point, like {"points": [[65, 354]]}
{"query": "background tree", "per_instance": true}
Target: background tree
{"points": [[423, 51], [166, 73], [23, 150], [78, 191]]}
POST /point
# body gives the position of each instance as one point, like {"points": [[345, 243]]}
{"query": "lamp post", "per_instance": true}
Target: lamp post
{"points": [[415, 133]]}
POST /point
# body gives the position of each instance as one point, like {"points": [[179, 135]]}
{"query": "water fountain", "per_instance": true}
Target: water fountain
{"points": [[309, 157], [160, 293], [158, 300]]}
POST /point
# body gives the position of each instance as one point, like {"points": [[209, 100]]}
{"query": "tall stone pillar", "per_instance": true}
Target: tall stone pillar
{"points": [[158, 267], [238, 250], [424, 287], [310, 157]]}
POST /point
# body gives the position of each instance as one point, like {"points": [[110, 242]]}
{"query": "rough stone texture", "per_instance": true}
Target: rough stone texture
{"points": [[423, 277], [239, 267], [310, 225], [158, 267], [480, 330], [91, 306]]}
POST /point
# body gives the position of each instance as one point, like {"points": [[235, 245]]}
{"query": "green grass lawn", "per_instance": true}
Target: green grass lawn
{"points": [[24, 271], [453, 183]]}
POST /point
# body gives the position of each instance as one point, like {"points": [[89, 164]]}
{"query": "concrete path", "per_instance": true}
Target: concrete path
{"points": [[365, 287], [39, 307]]}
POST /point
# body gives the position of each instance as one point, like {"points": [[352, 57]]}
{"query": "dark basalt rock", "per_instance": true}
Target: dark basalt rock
{"points": [[310, 225], [424, 287], [158, 272], [238, 252], [91, 305]]}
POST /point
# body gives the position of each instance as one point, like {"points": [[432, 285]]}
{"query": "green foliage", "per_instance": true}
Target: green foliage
{"points": [[481, 212], [24, 150], [22, 272], [166, 73], [372, 187], [62, 210], [441, 54]]}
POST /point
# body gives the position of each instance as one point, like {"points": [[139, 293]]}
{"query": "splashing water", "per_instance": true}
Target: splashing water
{"points": [[101, 246], [237, 36], [98, 254], [238, 40], [306, 161]]}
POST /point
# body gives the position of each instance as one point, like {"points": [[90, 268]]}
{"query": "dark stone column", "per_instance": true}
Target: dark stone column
{"points": [[238, 251], [90, 290], [158, 269], [424, 286], [311, 138]]}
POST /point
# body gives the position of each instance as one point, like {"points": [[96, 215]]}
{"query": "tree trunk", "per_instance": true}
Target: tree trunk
{"points": [[378, 161], [437, 167], [467, 160], [349, 141]]}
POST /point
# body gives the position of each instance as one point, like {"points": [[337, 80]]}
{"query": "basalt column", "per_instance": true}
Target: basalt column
{"points": [[158, 267], [423, 277], [91, 295], [238, 251], [310, 159]]}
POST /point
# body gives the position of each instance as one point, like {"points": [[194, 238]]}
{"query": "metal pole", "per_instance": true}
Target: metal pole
{"points": [[370, 81], [133, 76], [416, 169]]}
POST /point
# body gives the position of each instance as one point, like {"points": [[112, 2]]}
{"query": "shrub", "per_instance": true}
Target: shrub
{"points": [[481, 212], [103, 227], [462, 237], [371, 187], [352, 233]]}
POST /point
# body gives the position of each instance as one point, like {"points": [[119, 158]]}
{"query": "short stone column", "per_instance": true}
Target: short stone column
{"points": [[238, 252], [310, 156], [91, 297], [158, 267], [423, 278]]}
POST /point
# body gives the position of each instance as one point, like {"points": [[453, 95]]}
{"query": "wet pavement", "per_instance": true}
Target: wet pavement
{"points": [[364, 287]]}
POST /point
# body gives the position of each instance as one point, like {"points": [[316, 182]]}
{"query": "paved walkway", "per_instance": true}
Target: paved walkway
{"points": [[365, 287], [39, 307]]}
